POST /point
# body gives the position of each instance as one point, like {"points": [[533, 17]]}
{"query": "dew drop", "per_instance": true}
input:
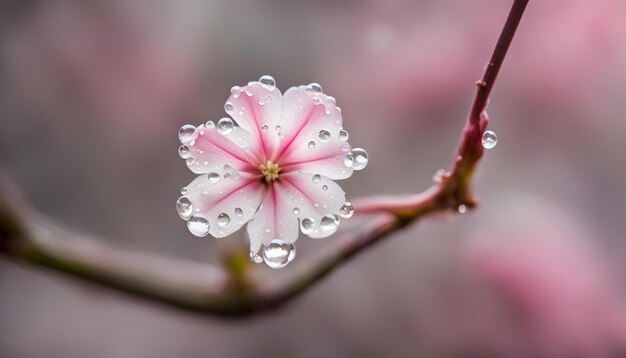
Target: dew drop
{"points": [[238, 212], [296, 210], [214, 177], [264, 127], [324, 187], [210, 124], [360, 158], [328, 224], [462, 209], [183, 190], [277, 254], [255, 257], [225, 126], [343, 135], [186, 133], [228, 107], [315, 87], [198, 225], [311, 144], [489, 139], [307, 225], [190, 160], [348, 160], [184, 207], [324, 135], [223, 220], [316, 100], [268, 81], [317, 178], [183, 151], [346, 211], [345, 147], [332, 100], [278, 128]]}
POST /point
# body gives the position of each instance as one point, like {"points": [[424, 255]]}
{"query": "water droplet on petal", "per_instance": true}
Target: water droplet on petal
{"points": [[183, 151], [296, 210], [228, 107], [255, 257], [223, 220], [238, 212], [317, 178], [343, 135], [346, 211], [214, 177], [462, 209], [328, 223], [268, 81], [184, 207], [277, 254], [489, 139], [311, 144], [324, 135], [324, 187], [316, 100], [186, 133], [198, 225], [307, 225], [348, 160], [345, 147], [225, 126], [360, 158], [315, 87], [210, 124], [332, 100], [264, 127], [278, 128], [183, 190]]}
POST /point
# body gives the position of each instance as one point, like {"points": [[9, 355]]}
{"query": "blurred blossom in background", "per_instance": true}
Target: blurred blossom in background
{"points": [[92, 95]]}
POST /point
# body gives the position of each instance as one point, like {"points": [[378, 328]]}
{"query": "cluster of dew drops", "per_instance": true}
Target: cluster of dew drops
{"points": [[277, 253]]}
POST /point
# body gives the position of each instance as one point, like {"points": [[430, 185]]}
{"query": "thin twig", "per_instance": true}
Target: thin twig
{"points": [[31, 239]]}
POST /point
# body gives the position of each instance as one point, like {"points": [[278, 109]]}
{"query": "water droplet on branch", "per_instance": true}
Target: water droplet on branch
{"points": [[489, 139]]}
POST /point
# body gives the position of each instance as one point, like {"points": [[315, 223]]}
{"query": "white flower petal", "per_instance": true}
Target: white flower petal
{"points": [[256, 108], [210, 151], [237, 198], [311, 141], [274, 220], [312, 196]]}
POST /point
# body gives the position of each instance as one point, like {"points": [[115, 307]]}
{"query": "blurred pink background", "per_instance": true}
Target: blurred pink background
{"points": [[92, 95]]}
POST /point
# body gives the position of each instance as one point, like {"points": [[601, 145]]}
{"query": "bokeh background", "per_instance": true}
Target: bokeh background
{"points": [[92, 95]]}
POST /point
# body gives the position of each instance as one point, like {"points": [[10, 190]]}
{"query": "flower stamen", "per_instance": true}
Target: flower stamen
{"points": [[270, 171]]}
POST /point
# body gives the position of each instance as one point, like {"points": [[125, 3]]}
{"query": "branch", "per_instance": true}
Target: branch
{"points": [[236, 291]]}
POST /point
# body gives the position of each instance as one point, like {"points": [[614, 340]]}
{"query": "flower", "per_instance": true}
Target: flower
{"points": [[274, 170]]}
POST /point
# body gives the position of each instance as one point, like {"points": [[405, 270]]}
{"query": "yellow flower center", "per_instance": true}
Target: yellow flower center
{"points": [[270, 171]]}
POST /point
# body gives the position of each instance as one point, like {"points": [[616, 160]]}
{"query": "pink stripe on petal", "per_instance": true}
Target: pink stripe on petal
{"points": [[313, 197], [255, 107], [212, 150], [274, 220], [234, 200]]}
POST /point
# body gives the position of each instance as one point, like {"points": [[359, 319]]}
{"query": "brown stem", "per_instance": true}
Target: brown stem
{"points": [[28, 238]]}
